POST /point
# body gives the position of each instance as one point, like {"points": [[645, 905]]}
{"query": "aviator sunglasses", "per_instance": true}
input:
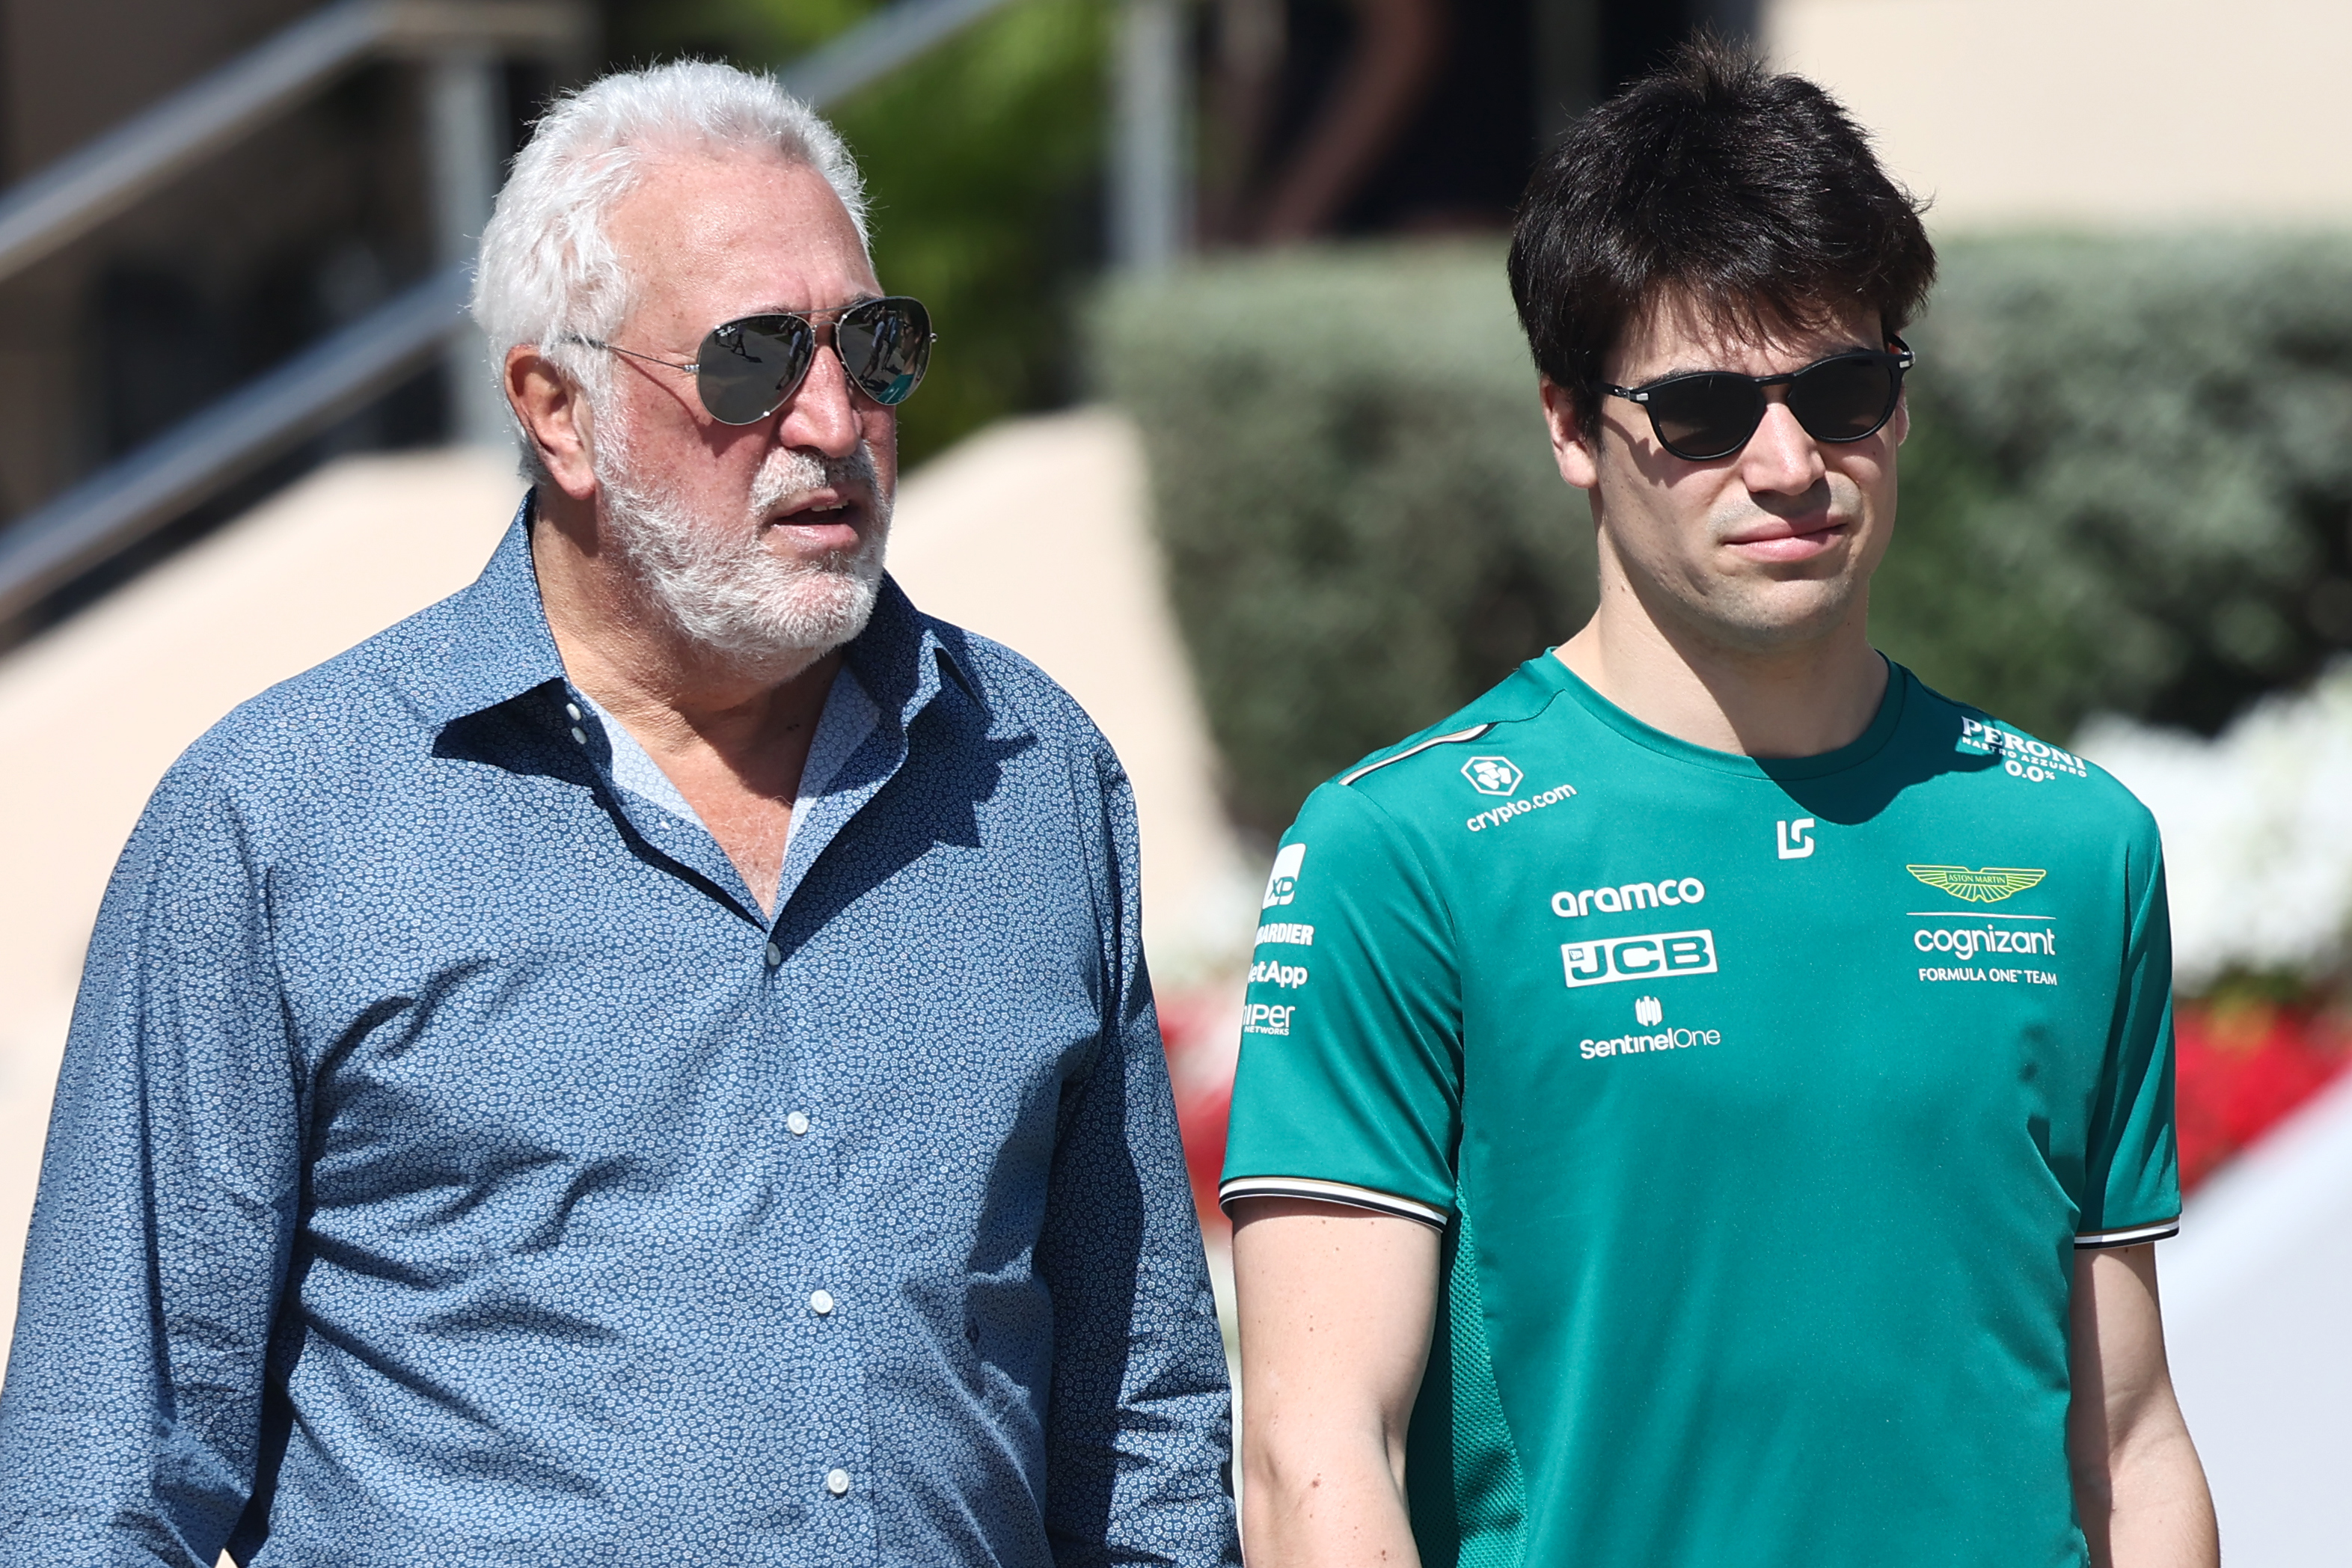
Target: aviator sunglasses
{"points": [[1711, 414], [747, 367]]}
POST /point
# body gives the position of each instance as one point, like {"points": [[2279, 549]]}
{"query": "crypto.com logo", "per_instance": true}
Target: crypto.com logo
{"points": [[1493, 775]]}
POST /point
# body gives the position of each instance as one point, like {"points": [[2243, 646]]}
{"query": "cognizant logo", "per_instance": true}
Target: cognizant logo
{"points": [[1965, 942], [1631, 896]]}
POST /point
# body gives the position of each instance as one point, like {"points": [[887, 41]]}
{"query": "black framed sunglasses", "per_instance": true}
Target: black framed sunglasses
{"points": [[1711, 414], [748, 367]]}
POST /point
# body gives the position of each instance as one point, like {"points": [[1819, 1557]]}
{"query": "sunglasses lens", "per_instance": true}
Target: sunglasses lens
{"points": [[886, 346], [749, 367], [1844, 399], [1703, 417]]}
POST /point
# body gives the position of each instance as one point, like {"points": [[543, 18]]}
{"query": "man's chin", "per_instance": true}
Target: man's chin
{"points": [[1764, 616]]}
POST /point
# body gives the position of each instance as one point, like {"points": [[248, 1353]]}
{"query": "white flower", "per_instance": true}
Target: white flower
{"points": [[2257, 829]]}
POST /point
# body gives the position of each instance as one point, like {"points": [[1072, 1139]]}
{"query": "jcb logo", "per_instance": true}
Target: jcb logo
{"points": [[1661, 956]]}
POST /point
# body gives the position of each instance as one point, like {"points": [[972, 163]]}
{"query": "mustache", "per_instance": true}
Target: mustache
{"points": [[794, 471]]}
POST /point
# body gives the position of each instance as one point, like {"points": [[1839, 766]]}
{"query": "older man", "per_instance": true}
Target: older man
{"points": [[648, 1060]]}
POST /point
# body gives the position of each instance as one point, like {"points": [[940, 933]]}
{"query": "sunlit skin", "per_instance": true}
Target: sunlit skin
{"points": [[708, 239], [1735, 594]]}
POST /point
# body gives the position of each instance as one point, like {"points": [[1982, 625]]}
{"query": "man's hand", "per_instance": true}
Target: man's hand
{"points": [[2138, 1488], [1336, 1308]]}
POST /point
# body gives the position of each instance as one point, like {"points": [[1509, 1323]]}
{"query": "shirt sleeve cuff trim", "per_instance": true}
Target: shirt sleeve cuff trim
{"points": [[1324, 1191], [2132, 1237]]}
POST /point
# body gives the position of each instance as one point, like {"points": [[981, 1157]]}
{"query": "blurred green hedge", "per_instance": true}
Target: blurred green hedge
{"points": [[1354, 493], [2127, 488]]}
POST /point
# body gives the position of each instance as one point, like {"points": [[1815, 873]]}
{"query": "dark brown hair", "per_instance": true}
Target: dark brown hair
{"points": [[1753, 194]]}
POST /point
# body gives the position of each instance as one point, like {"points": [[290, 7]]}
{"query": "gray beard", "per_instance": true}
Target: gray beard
{"points": [[719, 584]]}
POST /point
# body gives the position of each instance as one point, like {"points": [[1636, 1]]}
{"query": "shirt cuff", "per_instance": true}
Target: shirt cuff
{"points": [[2130, 1235], [1323, 1192]]}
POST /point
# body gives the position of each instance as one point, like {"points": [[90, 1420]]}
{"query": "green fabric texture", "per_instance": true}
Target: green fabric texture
{"points": [[1766, 1103], [1470, 1505]]}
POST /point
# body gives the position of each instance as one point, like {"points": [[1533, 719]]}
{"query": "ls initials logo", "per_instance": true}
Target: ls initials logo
{"points": [[1796, 838]]}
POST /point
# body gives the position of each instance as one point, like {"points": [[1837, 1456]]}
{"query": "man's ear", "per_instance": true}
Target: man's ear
{"points": [[1579, 459], [555, 419]]}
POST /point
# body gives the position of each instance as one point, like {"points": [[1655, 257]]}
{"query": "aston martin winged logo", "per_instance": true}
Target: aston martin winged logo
{"points": [[1989, 886]]}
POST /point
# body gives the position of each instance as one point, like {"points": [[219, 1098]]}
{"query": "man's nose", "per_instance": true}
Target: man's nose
{"points": [[822, 414], [1781, 457]]}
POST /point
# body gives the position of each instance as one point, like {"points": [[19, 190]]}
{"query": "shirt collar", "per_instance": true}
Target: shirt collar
{"points": [[501, 647]]}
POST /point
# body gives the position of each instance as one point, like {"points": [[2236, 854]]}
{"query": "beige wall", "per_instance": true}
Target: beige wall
{"points": [[2098, 112]]}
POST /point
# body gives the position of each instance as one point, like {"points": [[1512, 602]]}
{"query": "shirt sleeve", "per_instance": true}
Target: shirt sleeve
{"points": [[2131, 1187], [133, 1414], [1138, 1424], [1350, 1084]]}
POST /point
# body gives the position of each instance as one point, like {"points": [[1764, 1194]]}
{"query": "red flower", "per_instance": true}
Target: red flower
{"points": [[2243, 1066]]}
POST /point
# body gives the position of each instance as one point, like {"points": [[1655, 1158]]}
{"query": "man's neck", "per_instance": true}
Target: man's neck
{"points": [[1799, 699], [733, 741]]}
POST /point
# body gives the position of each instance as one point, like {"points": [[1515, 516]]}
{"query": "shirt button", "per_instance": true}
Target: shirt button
{"points": [[836, 1481], [775, 955], [578, 734], [820, 1303], [797, 1122], [572, 708]]}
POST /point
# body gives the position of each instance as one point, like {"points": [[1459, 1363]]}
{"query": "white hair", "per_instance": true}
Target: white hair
{"points": [[549, 274]]}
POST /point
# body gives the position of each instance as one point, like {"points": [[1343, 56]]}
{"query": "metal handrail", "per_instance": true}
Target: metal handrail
{"points": [[138, 493], [879, 46], [124, 502], [95, 182]]}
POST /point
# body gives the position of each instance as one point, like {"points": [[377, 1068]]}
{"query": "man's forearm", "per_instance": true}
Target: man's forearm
{"points": [[1311, 1501], [2160, 1512], [2139, 1489]]}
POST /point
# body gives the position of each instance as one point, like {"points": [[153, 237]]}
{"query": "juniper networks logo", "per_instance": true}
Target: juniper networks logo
{"points": [[1493, 775]]}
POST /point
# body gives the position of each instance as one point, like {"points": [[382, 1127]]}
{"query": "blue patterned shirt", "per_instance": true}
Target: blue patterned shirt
{"points": [[451, 1163]]}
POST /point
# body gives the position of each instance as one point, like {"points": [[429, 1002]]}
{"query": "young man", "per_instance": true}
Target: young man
{"points": [[1713, 1104]]}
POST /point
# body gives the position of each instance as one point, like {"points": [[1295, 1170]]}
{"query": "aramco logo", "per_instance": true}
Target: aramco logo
{"points": [[1492, 775], [1647, 1012]]}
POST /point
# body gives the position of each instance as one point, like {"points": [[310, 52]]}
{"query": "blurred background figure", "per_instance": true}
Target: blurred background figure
{"points": [[1226, 275]]}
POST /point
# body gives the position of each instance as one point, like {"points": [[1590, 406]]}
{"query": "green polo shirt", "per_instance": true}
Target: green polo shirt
{"points": [[1764, 1104]]}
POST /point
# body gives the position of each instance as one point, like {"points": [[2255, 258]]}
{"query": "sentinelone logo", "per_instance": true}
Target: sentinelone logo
{"points": [[1648, 1012]]}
